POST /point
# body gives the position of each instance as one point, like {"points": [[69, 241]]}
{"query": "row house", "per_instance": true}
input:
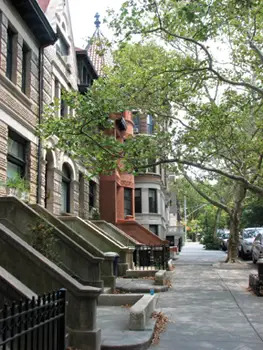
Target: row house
{"points": [[119, 190], [151, 192], [38, 61], [64, 187], [25, 32]]}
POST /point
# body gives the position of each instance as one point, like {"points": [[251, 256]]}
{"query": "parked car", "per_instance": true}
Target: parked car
{"points": [[257, 247], [246, 240], [224, 240]]}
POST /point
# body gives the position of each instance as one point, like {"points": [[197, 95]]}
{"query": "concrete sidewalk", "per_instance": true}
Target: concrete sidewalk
{"points": [[209, 306]]}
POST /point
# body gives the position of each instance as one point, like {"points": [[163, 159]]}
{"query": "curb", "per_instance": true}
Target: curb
{"points": [[133, 346]]}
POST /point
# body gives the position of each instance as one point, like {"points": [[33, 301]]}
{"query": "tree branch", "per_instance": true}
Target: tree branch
{"points": [[205, 196]]}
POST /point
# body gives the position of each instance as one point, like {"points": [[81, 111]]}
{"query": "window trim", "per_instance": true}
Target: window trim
{"points": [[26, 55], [156, 232], [11, 54], [93, 186], [150, 124], [11, 158], [155, 209], [140, 198], [127, 211]]}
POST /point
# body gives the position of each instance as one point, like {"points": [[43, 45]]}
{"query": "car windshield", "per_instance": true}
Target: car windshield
{"points": [[225, 235], [250, 234]]}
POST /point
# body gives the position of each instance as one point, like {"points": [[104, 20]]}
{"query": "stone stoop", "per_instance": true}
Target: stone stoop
{"points": [[125, 321]]}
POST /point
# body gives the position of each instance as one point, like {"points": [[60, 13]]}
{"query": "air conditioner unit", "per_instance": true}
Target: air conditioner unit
{"points": [[136, 130]]}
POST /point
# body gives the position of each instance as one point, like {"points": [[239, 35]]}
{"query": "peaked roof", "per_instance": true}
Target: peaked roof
{"points": [[97, 48], [43, 4]]}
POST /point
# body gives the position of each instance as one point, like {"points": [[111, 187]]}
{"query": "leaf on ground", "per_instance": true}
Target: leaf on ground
{"points": [[160, 326]]}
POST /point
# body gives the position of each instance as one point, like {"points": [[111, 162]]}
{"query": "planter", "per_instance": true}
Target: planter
{"points": [[24, 196], [11, 191]]}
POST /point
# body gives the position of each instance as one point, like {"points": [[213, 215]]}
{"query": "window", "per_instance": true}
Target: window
{"points": [[25, 68], [136, 121], [92, 194], [62, 45], [127, 201], [85, 77], [10, 54], [81, 195], [57, 89], [150, 125], [16, 157], [152, 200], [63, 108], [65, 190], [154, 229], [138, 200], [170, 239]]}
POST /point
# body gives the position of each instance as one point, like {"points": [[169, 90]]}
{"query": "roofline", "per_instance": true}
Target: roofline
{"points": [[84, 53], [44, 31]]}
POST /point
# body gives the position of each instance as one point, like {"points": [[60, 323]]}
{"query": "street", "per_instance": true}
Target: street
{"points": [[209, 305]]}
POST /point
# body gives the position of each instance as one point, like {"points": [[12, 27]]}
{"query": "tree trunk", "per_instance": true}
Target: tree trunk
{"points": [[239, 196]]}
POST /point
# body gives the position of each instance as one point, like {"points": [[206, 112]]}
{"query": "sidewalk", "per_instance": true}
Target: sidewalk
{"points": [[209, 306]]}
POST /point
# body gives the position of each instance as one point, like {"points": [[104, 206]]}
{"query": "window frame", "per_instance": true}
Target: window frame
{"points": [[150, 124], [10, 53], [12, 158], [127, 209], [153, 207], [156, 229], [26, 53], [136, 199], [92, 194], [66, 179]]}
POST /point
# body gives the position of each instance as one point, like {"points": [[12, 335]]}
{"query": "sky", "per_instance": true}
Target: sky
{"points": [[82, 17]]}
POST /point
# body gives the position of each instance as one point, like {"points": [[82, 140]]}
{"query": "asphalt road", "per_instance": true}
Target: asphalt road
{"points": [[209, 305]]}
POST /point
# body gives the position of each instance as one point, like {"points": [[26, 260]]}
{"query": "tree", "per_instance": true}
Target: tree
{"points": [[212, 109]]}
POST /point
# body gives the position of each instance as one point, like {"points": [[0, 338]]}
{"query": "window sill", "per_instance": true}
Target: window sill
{"points": [[14, 90]]}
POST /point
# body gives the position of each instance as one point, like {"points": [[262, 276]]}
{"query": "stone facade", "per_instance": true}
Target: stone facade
{"points": [[19, 104], [20, 107], [151, 183]]}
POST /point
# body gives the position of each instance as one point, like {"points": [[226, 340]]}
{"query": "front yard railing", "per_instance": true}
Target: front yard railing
{"points": [[37, 324], [148, 257]]}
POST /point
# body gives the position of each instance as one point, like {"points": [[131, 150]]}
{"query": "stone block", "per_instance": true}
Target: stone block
{"points": [[160, 278], [141, 312]]}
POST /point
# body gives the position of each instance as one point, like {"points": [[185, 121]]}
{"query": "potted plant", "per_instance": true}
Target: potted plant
{"points": [[17, 186]]}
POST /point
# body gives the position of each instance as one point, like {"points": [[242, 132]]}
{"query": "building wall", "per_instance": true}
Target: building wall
{"points": [[156, 179], [113, 186], [18, 110], [145, 218]]}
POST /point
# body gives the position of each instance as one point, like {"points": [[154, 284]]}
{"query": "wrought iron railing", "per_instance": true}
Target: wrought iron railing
{"points": [[148, 257], [37, 324]]}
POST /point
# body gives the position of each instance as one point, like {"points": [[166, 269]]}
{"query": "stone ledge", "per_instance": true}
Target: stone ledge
{"points": [[161, 278], [141, 312], [140, 273]]}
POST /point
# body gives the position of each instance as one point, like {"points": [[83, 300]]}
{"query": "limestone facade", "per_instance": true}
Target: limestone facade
{"points": [[56, 181]]}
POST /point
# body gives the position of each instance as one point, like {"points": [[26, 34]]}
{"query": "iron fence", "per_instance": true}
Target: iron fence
{"points": [[37, 324], [148, 257]]}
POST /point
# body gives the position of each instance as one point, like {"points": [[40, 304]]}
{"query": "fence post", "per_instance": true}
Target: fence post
{"points": [[62, 321], [5, 314]]}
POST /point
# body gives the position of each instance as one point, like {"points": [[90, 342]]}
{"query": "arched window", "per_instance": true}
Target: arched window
{"points": [[49, 181], [65, 189]]}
